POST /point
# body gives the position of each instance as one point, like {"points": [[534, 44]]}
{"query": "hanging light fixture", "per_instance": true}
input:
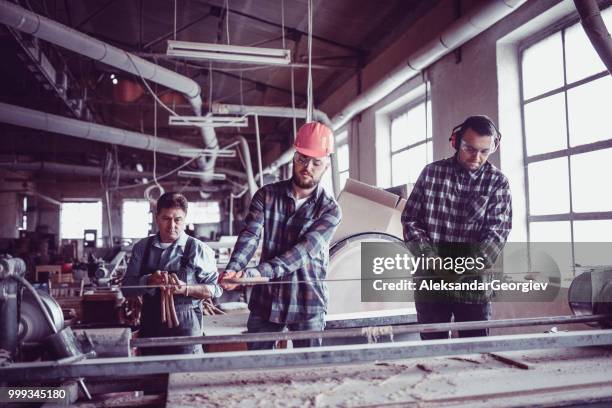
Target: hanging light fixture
{"points": [[228, 53]]}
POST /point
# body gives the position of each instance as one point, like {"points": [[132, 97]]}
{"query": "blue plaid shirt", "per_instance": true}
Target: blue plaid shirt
{"points": [[295, 249], [452, 205]]}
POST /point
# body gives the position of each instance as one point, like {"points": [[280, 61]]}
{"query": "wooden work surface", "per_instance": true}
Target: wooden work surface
{"points": [[523, 378]]}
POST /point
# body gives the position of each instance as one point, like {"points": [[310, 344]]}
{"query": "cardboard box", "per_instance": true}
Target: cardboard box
{"points": [[367, 208]]}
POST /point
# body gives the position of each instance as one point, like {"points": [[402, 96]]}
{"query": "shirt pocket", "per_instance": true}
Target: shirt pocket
{"points": [[476, 208]]}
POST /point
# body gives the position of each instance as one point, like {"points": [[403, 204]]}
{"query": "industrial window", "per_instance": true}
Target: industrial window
{"points": [[76, 217], [343, 164], [567, 130], [136, 218], [342, 155], [203, 212], [411, 141]]}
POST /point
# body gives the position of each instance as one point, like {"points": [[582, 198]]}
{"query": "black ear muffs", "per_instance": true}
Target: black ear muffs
{"points": [[455, 137], [457, 132]]}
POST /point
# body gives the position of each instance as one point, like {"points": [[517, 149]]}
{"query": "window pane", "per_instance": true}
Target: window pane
{"points": [[399, 132], [548, 187], [136, 218], [590, 117], [581, 58], [543, 66], [555, 231], [203, 212], [545, 129], [326, 181], [77, 217], [343, 157], [408, 128], [343, 177], [587, 232], [407, 165], [593, 231], [587, 194]]}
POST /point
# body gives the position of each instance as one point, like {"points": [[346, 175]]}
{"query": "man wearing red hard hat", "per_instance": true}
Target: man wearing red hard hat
{"points": [[297, 219]]}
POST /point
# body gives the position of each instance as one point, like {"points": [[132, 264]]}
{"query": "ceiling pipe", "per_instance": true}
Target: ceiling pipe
{"points": [[19, 116], [596, 30], [278, 112], [49, 30], [246, 156], [457, 34], [69, 169]]}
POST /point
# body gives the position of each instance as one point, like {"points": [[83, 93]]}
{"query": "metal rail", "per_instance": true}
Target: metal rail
{"points": [[362, 332], [132, 366]]}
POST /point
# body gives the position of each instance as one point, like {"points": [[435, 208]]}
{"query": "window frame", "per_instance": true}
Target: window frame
{"points": [[405, 108], [567, 153]]}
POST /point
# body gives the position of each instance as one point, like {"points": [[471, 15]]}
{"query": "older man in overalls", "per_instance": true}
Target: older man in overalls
{"points": [[171, 253]]}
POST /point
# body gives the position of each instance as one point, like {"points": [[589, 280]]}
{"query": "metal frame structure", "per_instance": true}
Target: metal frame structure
{"points": [[129, 366]]}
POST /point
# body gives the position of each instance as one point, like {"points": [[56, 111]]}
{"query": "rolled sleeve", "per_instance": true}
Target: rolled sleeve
{"points": [[205, 267], [249, 237]]}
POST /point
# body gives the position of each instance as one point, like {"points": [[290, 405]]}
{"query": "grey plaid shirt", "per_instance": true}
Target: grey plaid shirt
{"points": [[451, 205], [295, 249]]}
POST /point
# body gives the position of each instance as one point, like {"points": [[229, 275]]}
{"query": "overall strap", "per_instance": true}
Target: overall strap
{"points": [[144, 262], [187, 252]]}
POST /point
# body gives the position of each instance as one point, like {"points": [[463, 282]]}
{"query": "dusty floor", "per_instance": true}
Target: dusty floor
{"points": [[545, 377]]}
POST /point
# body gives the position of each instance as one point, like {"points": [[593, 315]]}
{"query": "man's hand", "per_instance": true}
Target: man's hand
{"points": [[157, 278], [180, 287], [227, 277]]}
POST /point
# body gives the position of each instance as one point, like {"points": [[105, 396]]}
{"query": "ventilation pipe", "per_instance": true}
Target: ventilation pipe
{"points": [[276, 112], [19, 116], [596, 30], [69, 169], [49, 30], [457, 34]]}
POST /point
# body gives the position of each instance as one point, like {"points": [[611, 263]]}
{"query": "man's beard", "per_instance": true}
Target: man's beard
{"points": [[303, 183]]}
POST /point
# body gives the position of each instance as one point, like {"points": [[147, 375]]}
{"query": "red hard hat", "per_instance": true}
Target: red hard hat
{"points": [[314, 139]]}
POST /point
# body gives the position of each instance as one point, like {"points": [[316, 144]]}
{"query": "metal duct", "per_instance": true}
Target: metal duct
{"points": [[19, 116], [269, 111], [246, 155], [276, 112], [70, 169], [66, 37], [596, 30], [458, 33]]}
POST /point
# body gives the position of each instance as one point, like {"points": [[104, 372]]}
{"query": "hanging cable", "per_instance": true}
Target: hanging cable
{"points": [[158, 178], [258, 151], [241, 93], [293, 105], [210, 87], [283, 21], [155, 146], [227, 21], [309, 93], [175, 7]]}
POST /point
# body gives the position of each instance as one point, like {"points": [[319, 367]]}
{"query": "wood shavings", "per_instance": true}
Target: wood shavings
{"points": [[374, 332]]}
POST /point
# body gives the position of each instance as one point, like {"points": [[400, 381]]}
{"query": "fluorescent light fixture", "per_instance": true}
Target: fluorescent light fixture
{"points": [[229, 53], [208, 152], [198, 174], [209, 121]]}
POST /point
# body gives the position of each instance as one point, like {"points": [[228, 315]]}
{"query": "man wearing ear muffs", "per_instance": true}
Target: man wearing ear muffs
{"points": [[460, 208]]}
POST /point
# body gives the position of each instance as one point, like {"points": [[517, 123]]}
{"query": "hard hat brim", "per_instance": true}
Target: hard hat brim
{"points": [[311, 152]]}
